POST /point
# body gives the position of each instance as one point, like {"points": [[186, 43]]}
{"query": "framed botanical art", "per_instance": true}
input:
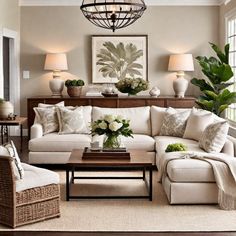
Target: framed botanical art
{"points": [[118, 57]]}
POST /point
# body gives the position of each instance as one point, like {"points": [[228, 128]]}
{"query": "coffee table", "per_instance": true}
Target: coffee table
{"points": [[139, 160]]}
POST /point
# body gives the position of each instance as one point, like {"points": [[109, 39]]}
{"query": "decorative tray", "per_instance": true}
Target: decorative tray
{"points": [[110, 94], [110, 154]]}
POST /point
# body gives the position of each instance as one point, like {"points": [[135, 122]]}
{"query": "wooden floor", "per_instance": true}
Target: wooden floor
{"points": [[114, 234], [24, 158]]}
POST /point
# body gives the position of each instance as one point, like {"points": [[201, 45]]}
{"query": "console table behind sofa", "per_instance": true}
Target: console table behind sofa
{"points": [[115, 102]]}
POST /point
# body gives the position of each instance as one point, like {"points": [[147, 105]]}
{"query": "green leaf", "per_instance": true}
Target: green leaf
{"points": [[202, 84], [210, 94], [223, 58]]}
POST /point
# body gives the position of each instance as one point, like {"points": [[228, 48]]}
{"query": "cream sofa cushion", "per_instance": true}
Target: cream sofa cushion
{"points": [[163, 141], [36, 177], [140, 142], [196, 124], [190, 170], [59, 143], [139, 117]]}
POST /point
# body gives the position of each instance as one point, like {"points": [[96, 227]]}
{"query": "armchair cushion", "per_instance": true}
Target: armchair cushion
{"points": [[36, 177]]}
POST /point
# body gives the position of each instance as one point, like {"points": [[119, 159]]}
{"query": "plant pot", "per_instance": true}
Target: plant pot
{"points": [[74, 91], [6, 108]]}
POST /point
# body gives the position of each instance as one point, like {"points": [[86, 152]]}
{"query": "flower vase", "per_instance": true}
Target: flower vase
{"points": [[111, 142]]}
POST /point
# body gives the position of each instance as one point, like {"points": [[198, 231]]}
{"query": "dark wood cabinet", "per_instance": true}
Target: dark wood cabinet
{"points": [[115, 102]]}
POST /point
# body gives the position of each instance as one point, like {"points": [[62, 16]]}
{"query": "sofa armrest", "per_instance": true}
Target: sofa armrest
{"points": [[229, 147], [36, 131]]}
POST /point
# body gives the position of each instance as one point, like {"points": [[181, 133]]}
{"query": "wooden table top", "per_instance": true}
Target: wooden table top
{"points": [[137, 158], [18, 121]]}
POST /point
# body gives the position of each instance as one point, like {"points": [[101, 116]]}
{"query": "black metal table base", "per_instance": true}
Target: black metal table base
{"points": [[5, 137], [70, 181]]}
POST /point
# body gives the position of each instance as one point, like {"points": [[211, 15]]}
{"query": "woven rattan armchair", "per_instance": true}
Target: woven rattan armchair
{"points": [[28, 206]]}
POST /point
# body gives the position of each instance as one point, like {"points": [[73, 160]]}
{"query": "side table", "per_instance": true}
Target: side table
{"points": [[19, 121]]}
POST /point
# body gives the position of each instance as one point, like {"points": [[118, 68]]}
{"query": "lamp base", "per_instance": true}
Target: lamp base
{"points": [[56, 85], [180, 86]]}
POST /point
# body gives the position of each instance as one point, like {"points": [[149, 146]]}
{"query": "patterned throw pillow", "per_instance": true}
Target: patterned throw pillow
{"points": [[71, 121], [9, 149], [174, 123], [47, 117], [214, 137], [44, 105]]}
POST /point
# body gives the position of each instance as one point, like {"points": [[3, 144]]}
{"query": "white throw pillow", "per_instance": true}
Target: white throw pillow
{"points": [[47, 117], [44, 105], [214, 137], [196, 124], [157, 117], [9, 149], [71, 121], [174, 123]]}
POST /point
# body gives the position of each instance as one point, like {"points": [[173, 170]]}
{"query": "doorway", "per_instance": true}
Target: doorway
{"points": [[10, 70], [6, 68]]}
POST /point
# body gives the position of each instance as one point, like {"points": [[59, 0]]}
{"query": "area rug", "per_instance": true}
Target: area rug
{"points": [[131, 215]]}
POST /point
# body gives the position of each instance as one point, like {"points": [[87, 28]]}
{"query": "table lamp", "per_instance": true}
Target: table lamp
{"points": [[180, 63], [56, 62]]}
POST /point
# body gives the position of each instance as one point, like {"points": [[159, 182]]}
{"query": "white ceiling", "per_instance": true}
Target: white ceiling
{"points": [[148, 2]]}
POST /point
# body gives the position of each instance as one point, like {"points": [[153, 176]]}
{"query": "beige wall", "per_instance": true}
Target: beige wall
{"points": [[224, 10], [10, 14], [64, 29]]}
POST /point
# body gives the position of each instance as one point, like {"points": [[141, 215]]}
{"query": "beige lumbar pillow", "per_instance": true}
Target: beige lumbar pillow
{"points": [[174, 123], [71, 120], [47, 117], [196, 124], [214, 137]]}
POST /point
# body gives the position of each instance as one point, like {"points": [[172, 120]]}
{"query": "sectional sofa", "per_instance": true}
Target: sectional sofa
{"points": [[187, 181]]}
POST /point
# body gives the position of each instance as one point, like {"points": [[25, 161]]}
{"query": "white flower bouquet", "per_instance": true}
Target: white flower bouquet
{"points": [[132, 86], [112, 127]]}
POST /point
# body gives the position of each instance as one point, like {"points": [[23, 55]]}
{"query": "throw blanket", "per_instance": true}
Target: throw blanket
{"points": [[224, 168]]}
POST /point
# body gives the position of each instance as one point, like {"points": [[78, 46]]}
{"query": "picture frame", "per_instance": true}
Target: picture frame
{"points": [[119, 56]]}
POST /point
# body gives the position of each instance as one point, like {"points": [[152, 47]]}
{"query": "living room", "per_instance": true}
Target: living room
{"points": [[117, 146]]}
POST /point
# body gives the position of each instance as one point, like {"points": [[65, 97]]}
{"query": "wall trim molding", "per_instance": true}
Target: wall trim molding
{"points": [[148, 2]]}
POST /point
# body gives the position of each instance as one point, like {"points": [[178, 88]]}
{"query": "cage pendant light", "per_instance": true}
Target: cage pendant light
{"points": [[113, 14]]}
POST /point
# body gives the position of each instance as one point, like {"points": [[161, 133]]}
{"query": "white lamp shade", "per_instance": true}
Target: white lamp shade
{"points": [[181, 62], [56, 62]]}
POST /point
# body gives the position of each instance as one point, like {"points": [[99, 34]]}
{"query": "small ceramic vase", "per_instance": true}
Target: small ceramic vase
{"points": [[155, 92]]}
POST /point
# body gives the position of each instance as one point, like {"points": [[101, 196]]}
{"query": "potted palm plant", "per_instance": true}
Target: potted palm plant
{"points": [[215, 95], [74, 87]]}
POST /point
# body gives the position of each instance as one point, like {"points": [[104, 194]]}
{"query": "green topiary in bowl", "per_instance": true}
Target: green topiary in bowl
{"points": [[74, 87], [176, 147]]}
